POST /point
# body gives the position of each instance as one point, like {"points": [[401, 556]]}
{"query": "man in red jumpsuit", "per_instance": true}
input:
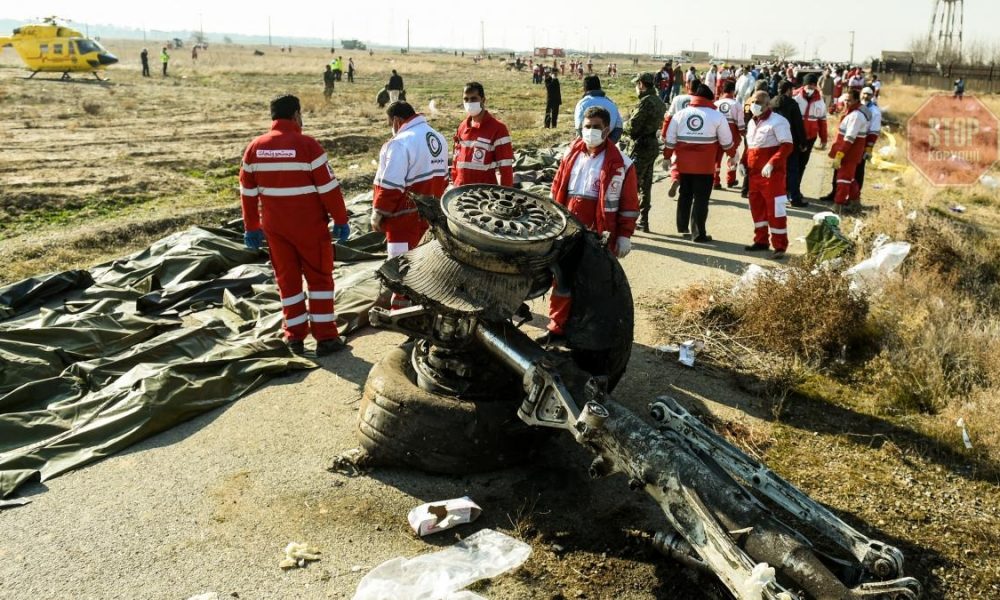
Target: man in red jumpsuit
{"points": [[769, 143], [482, 144], [598, 184], [849, 150], [414, 160], [733, 111], [289, 193]]}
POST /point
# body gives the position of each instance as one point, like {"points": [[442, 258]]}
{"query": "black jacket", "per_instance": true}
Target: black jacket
{"points": [[553, 93], [789, 108], [395, 83]]}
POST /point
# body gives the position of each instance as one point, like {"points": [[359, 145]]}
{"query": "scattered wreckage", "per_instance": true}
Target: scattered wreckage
{"points": [[447, 401]]}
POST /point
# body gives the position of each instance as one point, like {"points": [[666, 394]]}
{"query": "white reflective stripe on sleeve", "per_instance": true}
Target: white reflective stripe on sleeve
{"points": [[471, 144], [248, 191], [321, 295], [759, 224], [290, 191], [395, 249], [848, 181], [247, 167], [501, 141], [323, 318], [280, 166], [300, 297], [779, 231], [319, 162], [297, 320], [506, 162], [628, 213], [326, 187], [389, 185]]}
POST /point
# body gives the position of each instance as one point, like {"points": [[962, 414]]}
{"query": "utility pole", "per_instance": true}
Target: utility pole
{"points": [[654, 40], [407, 36], [269, 31], [852, 47], [333, 37], [201, 27], [482, 37]]}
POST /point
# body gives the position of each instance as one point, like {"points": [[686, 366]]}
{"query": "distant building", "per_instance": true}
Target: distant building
{"points": [[695, 56], [550, 52]]}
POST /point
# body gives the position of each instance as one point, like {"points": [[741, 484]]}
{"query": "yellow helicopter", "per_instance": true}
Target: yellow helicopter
{"points": [[54, 48]]}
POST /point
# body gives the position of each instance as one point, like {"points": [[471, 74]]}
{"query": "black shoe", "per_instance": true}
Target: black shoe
{"points": [[297, 347], [745, 194], [756, 247], [325, 347], [799, 203], [551, 339], [732, 185], [643, 226], [685, 235], [702, 239], [717, 186], [778, 254], [827, 198]]}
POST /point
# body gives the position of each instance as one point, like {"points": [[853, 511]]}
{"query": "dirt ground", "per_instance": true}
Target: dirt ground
{"points": [[209, 505]]}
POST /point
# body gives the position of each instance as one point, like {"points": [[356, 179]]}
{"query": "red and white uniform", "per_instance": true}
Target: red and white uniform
{"points": [[287, 188], [769, 141], [414, 161], [711, 79], [733, 112], [857, 81], [852, 138], [602, 191], [697, 134], [814, 113], [481, 150]]}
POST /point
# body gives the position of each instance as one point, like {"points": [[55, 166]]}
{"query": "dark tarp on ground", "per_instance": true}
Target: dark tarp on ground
{"points": [[189, 324]]}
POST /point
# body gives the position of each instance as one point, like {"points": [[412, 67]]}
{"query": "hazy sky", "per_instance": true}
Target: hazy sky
{"points": [[821, 27]]}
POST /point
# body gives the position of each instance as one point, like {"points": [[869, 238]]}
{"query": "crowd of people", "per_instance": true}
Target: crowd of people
{"points": [[758, 122]]}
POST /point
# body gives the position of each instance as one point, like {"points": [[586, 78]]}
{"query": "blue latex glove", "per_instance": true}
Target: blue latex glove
{"points": [[253, 239], [342, 232]]}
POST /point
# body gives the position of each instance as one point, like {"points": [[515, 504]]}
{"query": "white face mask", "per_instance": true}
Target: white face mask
{"points": [[473, 108], [756, 109], [592, 137], [810, 89]]}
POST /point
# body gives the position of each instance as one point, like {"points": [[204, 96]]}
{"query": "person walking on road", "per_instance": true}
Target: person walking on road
{"points": [[597, 183], [413, 161], [814, 111], [350, 70], [165, 59], [848, 151], [696, 134], [641, 144], [394, 86], [733, 111], [786, 106], [144, 57], [288, 193], [553, 99], [483, 152], [769, 144]]}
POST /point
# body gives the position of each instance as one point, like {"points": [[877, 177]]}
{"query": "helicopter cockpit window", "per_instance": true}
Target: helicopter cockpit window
{"points": [[43, 48], [85, 46], [57, 48], [71, 47]]}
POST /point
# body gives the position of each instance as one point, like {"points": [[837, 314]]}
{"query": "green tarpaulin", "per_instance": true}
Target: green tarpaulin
{"points": [[94, 361]]}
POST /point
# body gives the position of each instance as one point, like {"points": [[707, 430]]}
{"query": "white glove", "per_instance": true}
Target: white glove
{"points": [[741, 171], [733, 163], [767, 170], [376, 220], [622, 247]]}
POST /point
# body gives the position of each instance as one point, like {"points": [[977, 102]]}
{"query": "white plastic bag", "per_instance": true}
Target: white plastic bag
{"points": [[438, 516], [869, 274], [443, 575]]}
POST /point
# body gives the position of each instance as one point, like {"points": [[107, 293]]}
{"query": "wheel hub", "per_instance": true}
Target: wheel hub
{"points": [[500, 219]]}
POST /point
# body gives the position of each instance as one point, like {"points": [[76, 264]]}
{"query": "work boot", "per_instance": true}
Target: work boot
{"points": [[778, 254], [551, 338], [799, 203], [717, 186], [702, 239], [672, 192], [297, 346], [826, 198], [755, 247], [643, 225], [325, 347]]}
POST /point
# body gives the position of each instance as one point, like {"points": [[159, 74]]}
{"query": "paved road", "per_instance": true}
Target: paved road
{"points": [[209, 505]]}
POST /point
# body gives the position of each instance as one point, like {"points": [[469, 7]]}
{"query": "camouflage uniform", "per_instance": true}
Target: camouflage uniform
{"points": [[641, 144]]}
